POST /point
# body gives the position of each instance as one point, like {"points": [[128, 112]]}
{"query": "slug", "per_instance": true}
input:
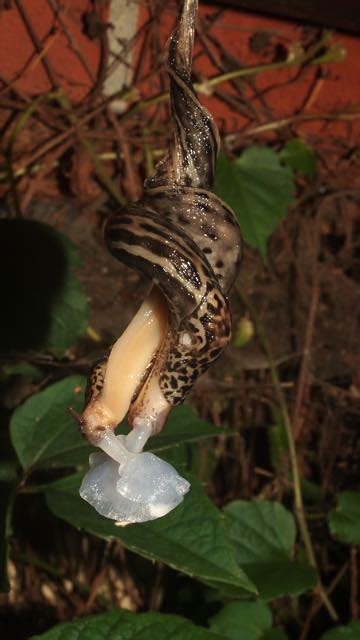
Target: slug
{"points": [[187, 241]]}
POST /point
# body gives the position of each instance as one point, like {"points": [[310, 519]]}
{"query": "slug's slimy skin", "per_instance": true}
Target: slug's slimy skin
{"points": [[187, 241], [114, 380]]}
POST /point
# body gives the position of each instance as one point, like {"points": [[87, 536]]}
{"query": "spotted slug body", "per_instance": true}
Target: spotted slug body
{"points": [[181, 235]]}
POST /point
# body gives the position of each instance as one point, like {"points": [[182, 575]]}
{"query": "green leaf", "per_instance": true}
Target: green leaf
{"points": [[274, 634], [43, 306], [278, 447], [335, 53], [245, 620], [259, 189], [8, 471], [277, 441], [42, 431], [263, 534], [23, 369], [184, 426], [299, 156], [344, 521], [45, 435], [124, 625], [350, 632], [190, 539]]}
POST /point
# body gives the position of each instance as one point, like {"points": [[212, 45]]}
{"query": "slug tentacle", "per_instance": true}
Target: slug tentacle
{"points": [[187, 241]]}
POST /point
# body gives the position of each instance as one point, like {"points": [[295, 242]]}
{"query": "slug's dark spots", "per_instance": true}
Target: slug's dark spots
{"points": [[212, 308], [207, 250], [193, 327], [182, 219], [209, 336], [202, 194], [126, 220], [220, 303], [208, 231], [153, 228], [182, 370], [185, 390], [219, 264]]}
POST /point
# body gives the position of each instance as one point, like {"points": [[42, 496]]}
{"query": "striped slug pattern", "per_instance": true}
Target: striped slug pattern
{"points": [[180, 234]]}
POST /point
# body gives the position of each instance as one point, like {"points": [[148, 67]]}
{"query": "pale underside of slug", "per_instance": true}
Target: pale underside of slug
{"points": [[187, 241]]}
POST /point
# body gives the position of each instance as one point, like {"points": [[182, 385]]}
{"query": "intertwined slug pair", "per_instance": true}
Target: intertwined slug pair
{"points": [[188, 242]]}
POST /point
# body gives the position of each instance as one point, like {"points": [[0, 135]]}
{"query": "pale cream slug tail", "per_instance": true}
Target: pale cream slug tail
{"points": [[126, 368]]}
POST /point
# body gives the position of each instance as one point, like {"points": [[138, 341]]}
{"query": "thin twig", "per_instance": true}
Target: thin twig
{"points": [[315, 608], [134, 186], [346, 116], [298, 499], [96, 160], [70, 38], [354, 603], [129, 93], [305, 362], [37, 44]]}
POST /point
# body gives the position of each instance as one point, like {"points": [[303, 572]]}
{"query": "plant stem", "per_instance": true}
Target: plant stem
{"points": [[8, 151], [308, 57], [298, 499], [275, 125], [96, 160]]}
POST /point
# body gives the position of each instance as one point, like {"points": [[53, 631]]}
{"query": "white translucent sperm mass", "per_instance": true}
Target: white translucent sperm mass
{"points": [[142, 488]]}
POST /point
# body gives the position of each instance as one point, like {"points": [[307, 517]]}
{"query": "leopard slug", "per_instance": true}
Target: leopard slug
{"points": [[187, 241]]}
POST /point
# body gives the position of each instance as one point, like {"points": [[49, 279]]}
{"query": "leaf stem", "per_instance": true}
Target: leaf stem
{"points": [[298, 498]]}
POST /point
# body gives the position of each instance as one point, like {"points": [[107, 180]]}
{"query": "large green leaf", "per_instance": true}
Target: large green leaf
{"points": [[299, 156], [350, 632], [191, 539], [124, 625], [274, 634], [263, 534], [45, 435], [344, 521], [43, 432], [259, 189], [245, 620], [43, 306], [183, 426]]}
